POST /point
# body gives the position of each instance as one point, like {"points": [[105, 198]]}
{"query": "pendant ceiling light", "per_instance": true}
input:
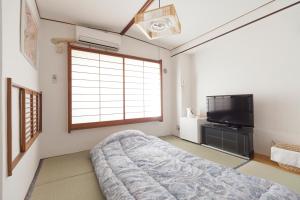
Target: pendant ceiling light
{"points": [[159, 22]]}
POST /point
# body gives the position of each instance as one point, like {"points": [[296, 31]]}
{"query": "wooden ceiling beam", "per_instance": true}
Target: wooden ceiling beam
{"points": [[143, 9]]}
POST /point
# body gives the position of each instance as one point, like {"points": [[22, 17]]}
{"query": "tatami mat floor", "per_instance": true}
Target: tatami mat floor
{"points": [[67, 177], [71, 177], [254, 168]]}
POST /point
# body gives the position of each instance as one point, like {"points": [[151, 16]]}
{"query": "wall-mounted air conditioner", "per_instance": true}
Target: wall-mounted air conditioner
{"points": [[98, 38]]}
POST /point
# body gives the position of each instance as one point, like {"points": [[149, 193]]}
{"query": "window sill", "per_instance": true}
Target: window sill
{"points": [[113, 123]]}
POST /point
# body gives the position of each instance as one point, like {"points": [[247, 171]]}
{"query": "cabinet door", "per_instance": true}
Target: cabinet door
{"points": [[213, 137], [230, 141], [213, 132], [231, 136], [230, 146]]}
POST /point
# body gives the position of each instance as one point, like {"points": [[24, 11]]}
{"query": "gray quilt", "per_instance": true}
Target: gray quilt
{"points": [[132, 165]]}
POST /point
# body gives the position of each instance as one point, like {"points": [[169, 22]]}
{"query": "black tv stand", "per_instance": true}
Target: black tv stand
{"points": [[237, 140]]}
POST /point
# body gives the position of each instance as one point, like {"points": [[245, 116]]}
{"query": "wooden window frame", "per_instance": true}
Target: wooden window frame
{"points": [[12, 162], [114, 122]]}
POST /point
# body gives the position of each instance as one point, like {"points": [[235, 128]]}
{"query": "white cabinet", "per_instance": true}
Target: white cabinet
{"points": [[190, 129]]}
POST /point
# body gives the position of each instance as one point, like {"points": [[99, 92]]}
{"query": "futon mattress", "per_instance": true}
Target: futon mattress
{"points": [[132, 165]]}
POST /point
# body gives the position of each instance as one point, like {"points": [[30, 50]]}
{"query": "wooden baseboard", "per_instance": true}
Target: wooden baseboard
{"points": [[264, 159]]}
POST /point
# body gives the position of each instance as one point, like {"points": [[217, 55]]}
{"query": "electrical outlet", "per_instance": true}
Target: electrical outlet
{"points": [[54, 78]]}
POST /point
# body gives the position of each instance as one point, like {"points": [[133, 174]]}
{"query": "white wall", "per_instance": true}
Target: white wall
{"points": [[185, 86], [55, 139], [262, 59], [1, 111], [15, 65]]}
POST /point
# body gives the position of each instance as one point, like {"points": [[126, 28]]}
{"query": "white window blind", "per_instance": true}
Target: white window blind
{"points": [[107, 88], [142, 89]]}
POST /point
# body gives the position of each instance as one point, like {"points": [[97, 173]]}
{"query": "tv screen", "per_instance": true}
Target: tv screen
{"points": [[235, 110]]}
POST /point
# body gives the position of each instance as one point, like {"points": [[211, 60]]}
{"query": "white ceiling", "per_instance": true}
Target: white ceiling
{"points": [[112, 15], [196, 16]]}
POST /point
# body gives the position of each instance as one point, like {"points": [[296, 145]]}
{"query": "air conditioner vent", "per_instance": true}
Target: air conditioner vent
{"points": [[108, 41]]}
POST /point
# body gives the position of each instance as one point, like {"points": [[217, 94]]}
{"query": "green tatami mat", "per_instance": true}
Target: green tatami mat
{"points": [[81, 187], [60, 167], [254, 168]]}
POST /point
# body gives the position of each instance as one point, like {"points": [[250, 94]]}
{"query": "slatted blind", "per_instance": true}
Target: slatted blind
{"points": [[31, 124], [107, 88]]}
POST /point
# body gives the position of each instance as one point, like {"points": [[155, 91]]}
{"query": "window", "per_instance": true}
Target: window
{"points": [[108, 89], [24, 121], [31, 117]]}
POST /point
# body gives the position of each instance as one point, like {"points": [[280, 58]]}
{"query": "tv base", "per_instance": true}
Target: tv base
{"points": [[227, 152], [238, 141]]}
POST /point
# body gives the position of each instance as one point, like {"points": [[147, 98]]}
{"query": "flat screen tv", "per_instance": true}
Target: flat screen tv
{"points": [[233, 110]]}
